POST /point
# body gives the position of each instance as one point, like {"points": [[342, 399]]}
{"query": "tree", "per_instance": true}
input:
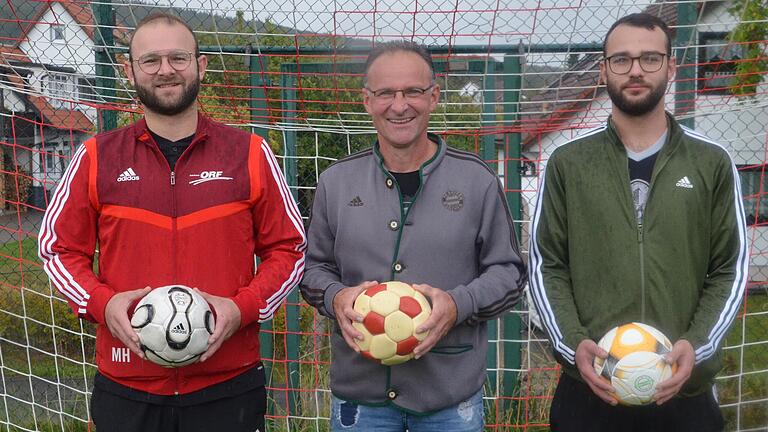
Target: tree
{"points": [[752, 33]]}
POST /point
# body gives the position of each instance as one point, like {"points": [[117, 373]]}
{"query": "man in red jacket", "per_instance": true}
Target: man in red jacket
{"points": [[174, 198]]}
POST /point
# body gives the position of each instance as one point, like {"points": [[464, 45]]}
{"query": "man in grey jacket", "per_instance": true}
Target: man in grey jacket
{"points": [[411, 209]]}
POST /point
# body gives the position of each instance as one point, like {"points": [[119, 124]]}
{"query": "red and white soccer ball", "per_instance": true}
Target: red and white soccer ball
{"points": [[391, 313], [173, 323], [635, 362]]}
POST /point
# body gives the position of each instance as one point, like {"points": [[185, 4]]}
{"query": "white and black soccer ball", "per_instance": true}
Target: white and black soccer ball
{"points": [[173, 323]]}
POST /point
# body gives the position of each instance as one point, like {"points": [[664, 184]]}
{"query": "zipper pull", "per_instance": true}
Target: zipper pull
{"points": [[639, 233], [173, 178]]}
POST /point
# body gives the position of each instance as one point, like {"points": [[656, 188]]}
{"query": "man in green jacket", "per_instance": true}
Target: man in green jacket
{"points": [[638, 220]]}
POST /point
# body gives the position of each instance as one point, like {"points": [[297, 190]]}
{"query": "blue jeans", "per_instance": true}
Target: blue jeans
{"points": [[465, 416]]}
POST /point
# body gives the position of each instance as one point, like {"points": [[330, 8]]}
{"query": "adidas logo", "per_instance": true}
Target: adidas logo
{"points": [[356, 202], [179, 329], [128, 175], [684, 183]]}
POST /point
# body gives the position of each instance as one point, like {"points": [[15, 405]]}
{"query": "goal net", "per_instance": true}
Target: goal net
{"points": [[517, 79]]}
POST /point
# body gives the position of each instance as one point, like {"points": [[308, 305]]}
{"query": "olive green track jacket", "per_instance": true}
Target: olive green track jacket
{"points": [[683, 271]]}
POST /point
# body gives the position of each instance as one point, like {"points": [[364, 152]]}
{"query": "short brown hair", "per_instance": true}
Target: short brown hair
{"points": [[643, 20], [169, 19]]}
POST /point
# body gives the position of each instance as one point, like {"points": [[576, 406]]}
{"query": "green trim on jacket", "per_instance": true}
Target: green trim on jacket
{"points": [[457, 236]]}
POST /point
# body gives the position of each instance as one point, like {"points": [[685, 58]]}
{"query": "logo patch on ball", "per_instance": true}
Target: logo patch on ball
{"points": [[644, 383]]}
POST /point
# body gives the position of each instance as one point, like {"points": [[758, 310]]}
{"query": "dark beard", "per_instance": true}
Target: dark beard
{"points": [[154, 104], [641, 107]]}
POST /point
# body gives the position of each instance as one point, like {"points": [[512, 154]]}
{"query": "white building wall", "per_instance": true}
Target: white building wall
{"points": [[739, 124], [11, 101], [75, 51], [717, 18]]}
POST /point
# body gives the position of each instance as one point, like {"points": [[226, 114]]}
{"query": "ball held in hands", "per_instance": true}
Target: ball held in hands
{"points": [[173, 323], [391, 313]]}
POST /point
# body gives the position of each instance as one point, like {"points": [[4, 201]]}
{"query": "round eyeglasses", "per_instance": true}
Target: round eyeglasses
{"points": [[150, 63]]}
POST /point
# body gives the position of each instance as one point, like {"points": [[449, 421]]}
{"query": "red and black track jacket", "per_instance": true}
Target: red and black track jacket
{"points": [[200, 225]]}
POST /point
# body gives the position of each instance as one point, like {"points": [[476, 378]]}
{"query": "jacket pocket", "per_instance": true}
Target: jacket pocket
{"points": [[451, 349]]}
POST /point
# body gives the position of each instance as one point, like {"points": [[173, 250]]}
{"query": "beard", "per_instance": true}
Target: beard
{"points": [[639, 107], [153, 103]]}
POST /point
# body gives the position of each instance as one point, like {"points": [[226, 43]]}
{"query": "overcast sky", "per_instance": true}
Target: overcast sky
{"points": [[437, 22]]}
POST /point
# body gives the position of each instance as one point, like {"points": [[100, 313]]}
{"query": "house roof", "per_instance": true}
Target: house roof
{"points": [[21, 16], [565, 98], [15, 18], [18, 17], [81, 14], [10, 53], [61, 118]]}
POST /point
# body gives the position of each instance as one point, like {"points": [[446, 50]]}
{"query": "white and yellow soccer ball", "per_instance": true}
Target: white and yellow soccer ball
{"points": [[635, 362], [391, 313], [173, 323]]}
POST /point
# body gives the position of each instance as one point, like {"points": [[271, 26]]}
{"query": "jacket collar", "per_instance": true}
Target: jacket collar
{"points": [[141, 131], [428, 166], [673, 134]]}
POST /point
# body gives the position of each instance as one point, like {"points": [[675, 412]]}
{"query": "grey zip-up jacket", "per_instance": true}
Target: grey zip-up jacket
{"points": [[682, 271], [457, 236]]}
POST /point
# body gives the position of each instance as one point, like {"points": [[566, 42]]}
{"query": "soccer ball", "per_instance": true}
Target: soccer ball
{"points": [[635, 362], [173, 324], [391, 313]]}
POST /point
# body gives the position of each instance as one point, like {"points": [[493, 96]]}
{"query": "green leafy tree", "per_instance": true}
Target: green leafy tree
{"points": [[751, 32], [317, 99]]}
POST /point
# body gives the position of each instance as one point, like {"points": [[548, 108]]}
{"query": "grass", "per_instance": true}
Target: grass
{"points": [[745, 371], [20, 266], [49, 426], [40, 337]]}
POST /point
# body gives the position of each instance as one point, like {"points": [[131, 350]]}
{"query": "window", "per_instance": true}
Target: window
{"points": [[56, 160], [57, 32], [754, 188], [50, 163], [717, 63], [86, 89], [60, 89]]}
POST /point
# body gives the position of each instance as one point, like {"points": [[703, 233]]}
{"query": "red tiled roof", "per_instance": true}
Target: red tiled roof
{"points": [[61, 118], [10, 53], [58, 118], [80, 12]]}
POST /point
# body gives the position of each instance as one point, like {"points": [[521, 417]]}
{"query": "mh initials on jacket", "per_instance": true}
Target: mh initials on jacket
{"points": [[207, 176]]}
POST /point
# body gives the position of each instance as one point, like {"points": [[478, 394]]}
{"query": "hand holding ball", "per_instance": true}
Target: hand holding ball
{"points": [[635, 362], [174, 324], [391, 313]]}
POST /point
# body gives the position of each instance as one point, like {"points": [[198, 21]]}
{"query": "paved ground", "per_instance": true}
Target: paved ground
{"points": [[14, 227]]}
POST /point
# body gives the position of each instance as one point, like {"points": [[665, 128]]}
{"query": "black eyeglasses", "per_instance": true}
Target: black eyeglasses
{"points": [[150, 63], [621, 64], [388, 95]]}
